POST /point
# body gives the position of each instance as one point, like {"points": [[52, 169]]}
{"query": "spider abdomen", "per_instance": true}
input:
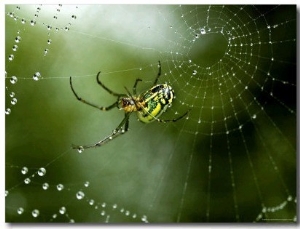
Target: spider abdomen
{"points": [[156, 101]]}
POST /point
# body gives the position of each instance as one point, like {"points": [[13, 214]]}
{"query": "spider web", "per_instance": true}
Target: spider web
{"points": [[232, 159]]}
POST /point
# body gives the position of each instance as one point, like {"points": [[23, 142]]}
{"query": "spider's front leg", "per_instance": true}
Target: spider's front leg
{"points": [[116, 132]]}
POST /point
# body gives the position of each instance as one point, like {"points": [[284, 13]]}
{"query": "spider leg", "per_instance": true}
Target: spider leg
{"points": [[107, 89], [170, 120], [135, 84], [116, 132], [158, 74], [91, 104]]}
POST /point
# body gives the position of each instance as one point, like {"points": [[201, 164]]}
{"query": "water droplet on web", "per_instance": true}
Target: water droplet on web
{"points": [[18, 39], [60, 187], [24, 170], [80, 149], [194, 72], [35, 213], [46, 52], [115, 206], [20, 210], [27, 180], [91, 202], [74, 16], [45, 186], [6, 193], [12, 94], [102, 213], [127, 213], [103, 205], [36, 76], [7, 111], [254, 116], [14, 101], [42, 172], [23, 21], [11, 57], [87, 184], [49, 41], [144, 218], [15, 47], [13, 79], [62, 210], [80, 195], [202, 31], [67, 28], [32, 22]]}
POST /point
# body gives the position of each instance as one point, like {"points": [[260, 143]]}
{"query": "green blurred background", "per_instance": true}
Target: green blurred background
{"points": [[188, 171]]}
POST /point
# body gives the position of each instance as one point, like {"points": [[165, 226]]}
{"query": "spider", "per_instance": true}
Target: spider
{"points": [[148, 105]]}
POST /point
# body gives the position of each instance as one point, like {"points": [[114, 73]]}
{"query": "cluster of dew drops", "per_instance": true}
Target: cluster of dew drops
{"points": [[104, 208], [18, 40]]}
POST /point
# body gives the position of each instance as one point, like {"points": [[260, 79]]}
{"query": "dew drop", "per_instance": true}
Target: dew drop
{"points": [[102, 213], [49, 41], [115, 206], [27, 180], [35, 213], [127, 213], [91, 202], [46, 52], [12, 94], [202, 31], [36, 76], [13, 79], [62, 210], [18, 39], [24, 170], [15, 47], [80, 149], [144, 218], [11, 57], [32, 22], [6, 193], [14, 101], [20, 210], [87, 184], [45, 186], [41, 172], [80, 195], [103, 205], [60, 187], [254, 116], [7, 111], [67, 28], [11, 14], [23, 21], [74, 16]]}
